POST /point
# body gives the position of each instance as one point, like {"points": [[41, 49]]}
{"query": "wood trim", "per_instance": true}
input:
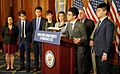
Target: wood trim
{"points": [[3, 12]]}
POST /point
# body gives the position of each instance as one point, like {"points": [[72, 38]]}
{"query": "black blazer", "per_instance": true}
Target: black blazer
{"points": [[34, 25], [89, 25], [28, 31], [10, 38], [103, 37]]}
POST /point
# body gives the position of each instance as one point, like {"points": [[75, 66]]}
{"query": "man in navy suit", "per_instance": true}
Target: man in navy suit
{"points": [[24, 40], [103, 37], [37, 24]]}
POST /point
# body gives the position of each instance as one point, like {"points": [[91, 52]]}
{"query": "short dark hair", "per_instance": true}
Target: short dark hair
{"points": [[74, 11], [49, 12], [38, 8], [104, 6], [22, 12], [81, 9]]}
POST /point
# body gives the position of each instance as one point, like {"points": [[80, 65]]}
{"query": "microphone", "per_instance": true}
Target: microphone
{"points": [[62, 25]]}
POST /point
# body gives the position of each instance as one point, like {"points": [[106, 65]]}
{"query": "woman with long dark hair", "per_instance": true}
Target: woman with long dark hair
{"points": [[9, 34]]}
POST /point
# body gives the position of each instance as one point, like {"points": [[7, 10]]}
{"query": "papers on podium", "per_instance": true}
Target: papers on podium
{"points": [[54, 29]]}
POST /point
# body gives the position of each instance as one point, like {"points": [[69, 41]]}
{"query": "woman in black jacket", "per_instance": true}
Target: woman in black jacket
{"points": [[9, 34]]}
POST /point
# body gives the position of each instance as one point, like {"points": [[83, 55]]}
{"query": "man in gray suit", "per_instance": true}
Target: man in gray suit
{"points": [[103, 37], [75, 30], [89, 25]]}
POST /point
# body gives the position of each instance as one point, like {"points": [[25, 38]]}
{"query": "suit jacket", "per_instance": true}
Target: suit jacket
{"points": [[34, 26], [77, 32], [10, 38], [28, 31], [103, 37], [89, 25]]}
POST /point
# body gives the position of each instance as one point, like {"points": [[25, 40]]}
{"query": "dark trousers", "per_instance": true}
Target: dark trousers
{"points": [[102, 67], [79, 63], [37, 52], [24, 47], [87, 61]]}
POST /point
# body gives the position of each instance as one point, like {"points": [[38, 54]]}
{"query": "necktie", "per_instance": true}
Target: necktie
{"points": [[23, 28], [98, 23], [97, 26], [38, 24], [72, 25]]}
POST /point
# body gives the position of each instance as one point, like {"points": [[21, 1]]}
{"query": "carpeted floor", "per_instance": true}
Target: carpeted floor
{"points": [[16, 65], [115, 69]]}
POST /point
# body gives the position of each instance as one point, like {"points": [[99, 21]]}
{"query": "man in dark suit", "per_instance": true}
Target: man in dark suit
{"points": [[75, 30], [37, 24], [89, 25], [103, 37], [24, 40]]}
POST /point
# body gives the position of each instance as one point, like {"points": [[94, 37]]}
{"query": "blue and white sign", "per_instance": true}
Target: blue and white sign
{"points": [[48, 37]]}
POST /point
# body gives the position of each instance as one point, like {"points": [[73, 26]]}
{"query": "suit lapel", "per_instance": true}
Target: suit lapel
{"points": [[101, 25], [40, 27], [26, 26], [34, 24], [74, 28]]}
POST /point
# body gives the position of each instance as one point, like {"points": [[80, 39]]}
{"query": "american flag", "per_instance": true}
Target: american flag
{"points": [[91, 9], [115, 11], [78, 4]]}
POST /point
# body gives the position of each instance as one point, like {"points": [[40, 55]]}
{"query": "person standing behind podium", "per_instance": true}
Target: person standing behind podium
{"points": [[50, 22], [102, 40], [89, 25], [9, 34], [61, 21], [75, 30], [37, 24], [24, 40]]}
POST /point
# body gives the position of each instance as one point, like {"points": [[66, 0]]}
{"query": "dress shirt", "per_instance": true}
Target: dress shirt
{"points": [[38, 20], [101, 20], [73, 23]]}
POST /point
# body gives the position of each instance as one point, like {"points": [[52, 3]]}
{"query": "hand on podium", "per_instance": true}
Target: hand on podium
{"points": [[54, 29], [76, 40]]}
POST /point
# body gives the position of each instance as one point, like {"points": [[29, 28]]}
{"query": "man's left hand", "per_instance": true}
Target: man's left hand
{"points": [[76, 40]]}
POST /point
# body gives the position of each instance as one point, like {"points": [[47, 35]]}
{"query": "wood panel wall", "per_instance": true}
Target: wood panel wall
{"points": [[12, 7]]}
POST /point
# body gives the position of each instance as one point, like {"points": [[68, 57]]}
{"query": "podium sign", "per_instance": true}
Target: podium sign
{"points": [[48, 37], [58, 59]]}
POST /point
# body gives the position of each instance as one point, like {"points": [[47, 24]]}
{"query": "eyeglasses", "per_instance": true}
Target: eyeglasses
{"points": [[69, 14]]}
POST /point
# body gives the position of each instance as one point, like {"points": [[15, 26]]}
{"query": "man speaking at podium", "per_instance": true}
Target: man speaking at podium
{"points": [[76, 31]]}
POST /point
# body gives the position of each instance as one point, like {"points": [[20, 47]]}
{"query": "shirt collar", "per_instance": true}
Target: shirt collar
{"points": [[22, 21], [39, 18], [103, 18], [82, 20], [73, 22]]}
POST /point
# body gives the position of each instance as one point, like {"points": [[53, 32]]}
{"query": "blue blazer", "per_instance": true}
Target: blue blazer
{"points": [[28, 31], [103, 37]]}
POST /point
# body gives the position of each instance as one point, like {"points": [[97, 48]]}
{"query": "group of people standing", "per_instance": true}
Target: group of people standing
{"points": [[74, 26], [22, 33]]}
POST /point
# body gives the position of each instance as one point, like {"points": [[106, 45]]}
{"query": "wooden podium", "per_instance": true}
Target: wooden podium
{"points": [[64, 57]]}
